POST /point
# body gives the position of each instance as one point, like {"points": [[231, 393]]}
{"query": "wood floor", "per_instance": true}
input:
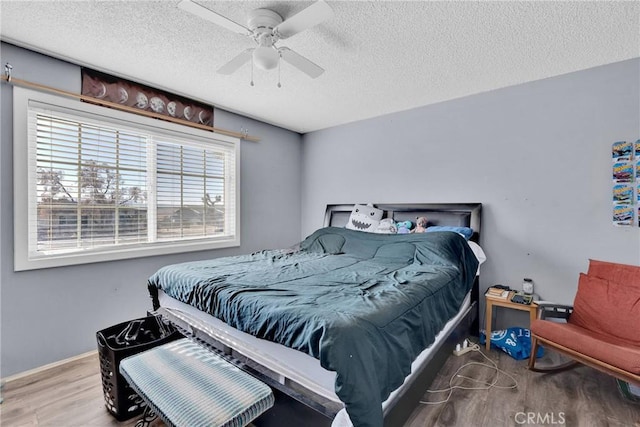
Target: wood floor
{"points": [[578, 397], [71, 395]]}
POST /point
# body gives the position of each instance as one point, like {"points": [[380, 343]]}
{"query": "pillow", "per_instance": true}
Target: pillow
{"points": [[608, 308], [478, 252], [619, 273], [364, 218], [386, 226], [466, 232]]}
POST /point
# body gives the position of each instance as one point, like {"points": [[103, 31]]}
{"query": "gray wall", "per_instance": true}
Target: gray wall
{"points": [[48, 315], [536, 155]]}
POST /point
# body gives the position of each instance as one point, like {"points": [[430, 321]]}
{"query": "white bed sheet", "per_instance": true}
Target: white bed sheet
{"points": [[289, 363]]}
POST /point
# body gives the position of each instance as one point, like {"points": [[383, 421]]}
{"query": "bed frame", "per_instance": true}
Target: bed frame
{"points": [[299, 406]]}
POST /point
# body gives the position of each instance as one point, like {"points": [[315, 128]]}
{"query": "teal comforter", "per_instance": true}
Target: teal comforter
{"points": [[364, 304]]}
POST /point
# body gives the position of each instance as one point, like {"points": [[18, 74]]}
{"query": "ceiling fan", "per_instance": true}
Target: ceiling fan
{"points": [[266, 28]]}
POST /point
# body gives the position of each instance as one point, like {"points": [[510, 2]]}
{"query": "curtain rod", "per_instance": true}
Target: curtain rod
{"points": [[24, 83]]}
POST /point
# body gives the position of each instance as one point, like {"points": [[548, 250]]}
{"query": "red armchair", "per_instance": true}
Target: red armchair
{"points": [[602, 328]]}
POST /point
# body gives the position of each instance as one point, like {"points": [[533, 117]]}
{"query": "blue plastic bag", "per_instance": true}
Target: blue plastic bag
{"points": [[516, 342]]}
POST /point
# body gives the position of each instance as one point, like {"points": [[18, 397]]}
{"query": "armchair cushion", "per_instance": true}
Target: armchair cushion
{"points": [[618, 273], [608, 308], [609, 349]]}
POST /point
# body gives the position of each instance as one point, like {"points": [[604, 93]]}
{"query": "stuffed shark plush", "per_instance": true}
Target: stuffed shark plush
{"points": [[364, 218]]}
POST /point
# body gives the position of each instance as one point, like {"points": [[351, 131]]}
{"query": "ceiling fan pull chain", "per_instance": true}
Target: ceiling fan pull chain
{"points": [[251, 70], [279, 65]]}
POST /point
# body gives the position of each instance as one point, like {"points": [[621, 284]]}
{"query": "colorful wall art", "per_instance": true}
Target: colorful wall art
{"points": [[626, 183]]}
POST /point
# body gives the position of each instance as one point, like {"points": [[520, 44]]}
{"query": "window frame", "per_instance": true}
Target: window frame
{"points": [[23, 191]]}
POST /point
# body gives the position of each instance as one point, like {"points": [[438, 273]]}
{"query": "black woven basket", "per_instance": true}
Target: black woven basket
{"points": [[123, 340]]}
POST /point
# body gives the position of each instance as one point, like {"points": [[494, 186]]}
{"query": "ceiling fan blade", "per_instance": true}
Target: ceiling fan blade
{"points": [[301, 63], [237, 62], [209, 15], [307, 18]]}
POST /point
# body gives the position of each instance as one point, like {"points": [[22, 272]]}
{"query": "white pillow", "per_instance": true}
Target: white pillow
{"points": [[386, 226], [478, 252]]}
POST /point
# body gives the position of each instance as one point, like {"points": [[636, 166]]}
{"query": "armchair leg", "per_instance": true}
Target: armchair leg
{"points": [[558, 368], [532, 360], [534, 351]]}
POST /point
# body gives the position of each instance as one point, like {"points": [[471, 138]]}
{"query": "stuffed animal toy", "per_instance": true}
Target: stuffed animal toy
{"points": [[364, 218], [404, 227], [421, 225], [386, 226]]}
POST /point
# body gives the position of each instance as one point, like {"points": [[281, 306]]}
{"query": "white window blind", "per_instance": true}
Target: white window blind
{"points": [[91, 185], [100, 186], [191, 191]]}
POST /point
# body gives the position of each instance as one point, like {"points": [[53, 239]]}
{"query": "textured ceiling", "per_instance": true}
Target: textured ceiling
{"points": [[380, 56]]}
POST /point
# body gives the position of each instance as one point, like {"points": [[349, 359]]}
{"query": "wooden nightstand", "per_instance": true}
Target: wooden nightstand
{"points": [[499, 302]]}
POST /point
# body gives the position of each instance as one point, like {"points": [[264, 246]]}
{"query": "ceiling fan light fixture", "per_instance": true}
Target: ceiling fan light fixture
{"points": [[266, 28], [266, 58]]}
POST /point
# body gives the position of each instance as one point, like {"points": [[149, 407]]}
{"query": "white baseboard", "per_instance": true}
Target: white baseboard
{"points": [[39, 369]]}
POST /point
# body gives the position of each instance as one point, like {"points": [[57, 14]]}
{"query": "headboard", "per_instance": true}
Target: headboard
{"points": [[454, 214]]}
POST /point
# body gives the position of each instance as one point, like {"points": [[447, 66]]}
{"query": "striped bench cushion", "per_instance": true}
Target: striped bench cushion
{"points": [[188, 385]]}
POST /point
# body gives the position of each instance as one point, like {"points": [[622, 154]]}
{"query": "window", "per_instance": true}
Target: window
{"points": [[94, 184]]}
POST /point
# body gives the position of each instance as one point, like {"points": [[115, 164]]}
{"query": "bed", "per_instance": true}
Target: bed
{"points": [[346, 320]]}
